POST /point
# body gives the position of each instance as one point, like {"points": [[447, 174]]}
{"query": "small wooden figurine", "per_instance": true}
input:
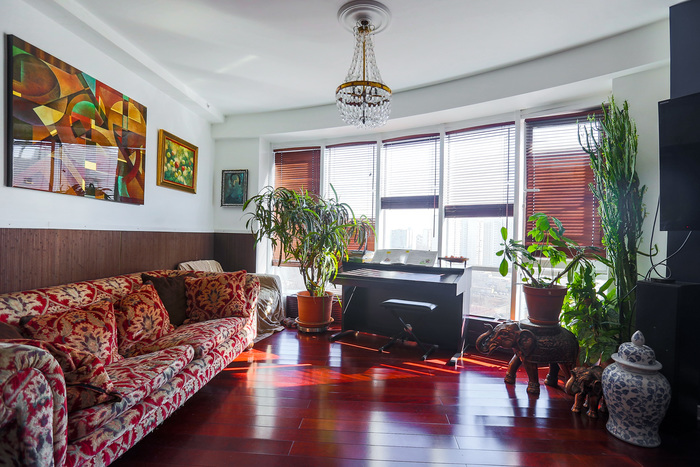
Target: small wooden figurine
{"points": [[585, 384]]}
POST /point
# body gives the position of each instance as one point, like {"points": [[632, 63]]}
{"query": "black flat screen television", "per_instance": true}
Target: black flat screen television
{"points": [[679, 163]]}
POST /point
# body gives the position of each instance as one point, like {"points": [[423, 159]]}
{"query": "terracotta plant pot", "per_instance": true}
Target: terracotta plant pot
{"points": [[314, 311], [544, 305]]}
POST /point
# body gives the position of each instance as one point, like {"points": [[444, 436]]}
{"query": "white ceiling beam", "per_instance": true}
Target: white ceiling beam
{"points": [[71, 14]]}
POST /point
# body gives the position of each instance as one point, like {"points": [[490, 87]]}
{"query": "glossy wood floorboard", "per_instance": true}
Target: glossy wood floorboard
{"points": [[299, 400]]}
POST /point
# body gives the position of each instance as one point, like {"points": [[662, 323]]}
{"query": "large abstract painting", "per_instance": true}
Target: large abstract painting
{"points": [[69, 133]]}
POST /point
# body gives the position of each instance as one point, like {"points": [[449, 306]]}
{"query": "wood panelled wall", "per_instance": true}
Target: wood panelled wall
{"points": [[235, 251], [31, 258]]}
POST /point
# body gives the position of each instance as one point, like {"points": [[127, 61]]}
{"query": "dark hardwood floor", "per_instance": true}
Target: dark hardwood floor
{"points": [[299, 400]]}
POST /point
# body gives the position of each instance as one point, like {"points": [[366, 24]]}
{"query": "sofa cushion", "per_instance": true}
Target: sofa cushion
{"points": [[171, 291], [141, 318], [91, 329], [203, 337], [218, 296], [135, 378]]}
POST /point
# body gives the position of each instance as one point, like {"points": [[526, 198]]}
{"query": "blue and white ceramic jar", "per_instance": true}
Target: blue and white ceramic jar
{"points": [[636, 393]]}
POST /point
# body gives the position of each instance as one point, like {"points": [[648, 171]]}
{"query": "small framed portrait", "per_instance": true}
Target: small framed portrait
{"points": [[177, 162], [234, 187]]}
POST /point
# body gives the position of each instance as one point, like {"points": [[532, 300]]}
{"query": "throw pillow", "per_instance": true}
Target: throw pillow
{"points": [[91, 329], [87, 381], [141, 318], [8, 331], [218, 296], [171, 291]]}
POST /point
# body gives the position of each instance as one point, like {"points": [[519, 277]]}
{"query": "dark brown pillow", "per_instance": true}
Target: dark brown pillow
{"points": [[8, 331], [171, 291]]}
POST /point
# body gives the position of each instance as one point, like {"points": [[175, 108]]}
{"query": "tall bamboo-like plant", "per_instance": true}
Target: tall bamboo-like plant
{"points": [[611, 144], [308, 229]]}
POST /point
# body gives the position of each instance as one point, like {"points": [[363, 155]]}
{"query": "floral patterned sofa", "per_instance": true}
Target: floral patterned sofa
{"points": [[88, 369]]}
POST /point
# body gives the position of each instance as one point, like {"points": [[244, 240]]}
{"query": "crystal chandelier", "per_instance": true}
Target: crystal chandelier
{"points": [[363, 99]]}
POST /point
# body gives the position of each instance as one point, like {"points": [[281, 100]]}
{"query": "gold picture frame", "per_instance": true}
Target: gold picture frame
{"points": [[177, 163]]}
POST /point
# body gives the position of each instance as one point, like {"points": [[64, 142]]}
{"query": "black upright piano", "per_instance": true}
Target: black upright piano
{"points": [[366, 285]]}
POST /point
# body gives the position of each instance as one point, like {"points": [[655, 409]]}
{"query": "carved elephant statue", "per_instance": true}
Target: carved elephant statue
{"points": [[552, 345], [586, 385]]}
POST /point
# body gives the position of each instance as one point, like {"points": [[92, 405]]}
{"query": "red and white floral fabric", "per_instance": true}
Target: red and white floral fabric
{"points": [[91, 329], [102, 443], [141, 319], [87, 381], [109, 441], [204, 337], [15, 305], [32, 392], [218, 296], [134, 378]]}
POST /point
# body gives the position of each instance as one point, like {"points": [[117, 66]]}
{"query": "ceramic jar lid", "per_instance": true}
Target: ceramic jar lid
{"points": [[637, 355]]}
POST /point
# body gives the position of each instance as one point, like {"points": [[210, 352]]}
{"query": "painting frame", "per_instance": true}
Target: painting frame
{"points": [[68, 132], [174, 153], [230, 195]]}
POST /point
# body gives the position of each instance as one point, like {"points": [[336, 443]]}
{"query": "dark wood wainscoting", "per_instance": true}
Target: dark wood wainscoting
{"points": [[31, 258], [235, 251]]}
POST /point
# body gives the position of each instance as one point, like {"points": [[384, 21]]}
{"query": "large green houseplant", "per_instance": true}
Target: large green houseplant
{"points": [[538, 261], [590, 312], [309, 230], [611, 143]]}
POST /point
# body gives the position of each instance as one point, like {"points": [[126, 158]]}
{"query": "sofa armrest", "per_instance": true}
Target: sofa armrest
{"points": [[270, 307], [252, 290], [33, 415]]}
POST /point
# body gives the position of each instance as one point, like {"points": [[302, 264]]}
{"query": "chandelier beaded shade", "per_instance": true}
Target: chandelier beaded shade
{"points": [[363, 99]]}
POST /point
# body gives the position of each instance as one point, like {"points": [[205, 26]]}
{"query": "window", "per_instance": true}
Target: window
{"points": [[479, 191], [480, 181], [559, 175], [477, 182], [409, 189], [350, 170]]}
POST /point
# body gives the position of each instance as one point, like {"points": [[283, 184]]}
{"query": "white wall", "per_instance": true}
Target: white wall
{"points": [[235, 154], [164, 209]]}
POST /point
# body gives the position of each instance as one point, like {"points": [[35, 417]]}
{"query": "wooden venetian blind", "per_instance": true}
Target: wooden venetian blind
{"points": [[559, 175], [297, 169]]}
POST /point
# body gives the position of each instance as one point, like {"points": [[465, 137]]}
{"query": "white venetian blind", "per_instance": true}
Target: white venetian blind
{"points": [[410, 172], [350, 169], [480, 171]]}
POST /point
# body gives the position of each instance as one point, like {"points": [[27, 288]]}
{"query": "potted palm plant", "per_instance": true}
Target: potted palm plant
{"points": [[312, 232], [538, 262]]}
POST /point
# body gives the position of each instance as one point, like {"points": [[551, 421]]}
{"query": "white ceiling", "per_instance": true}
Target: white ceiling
{"points": [[248, 56]]}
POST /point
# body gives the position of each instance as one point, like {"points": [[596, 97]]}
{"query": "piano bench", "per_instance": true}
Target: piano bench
{"points": [[397, 307], [408, 305]]}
